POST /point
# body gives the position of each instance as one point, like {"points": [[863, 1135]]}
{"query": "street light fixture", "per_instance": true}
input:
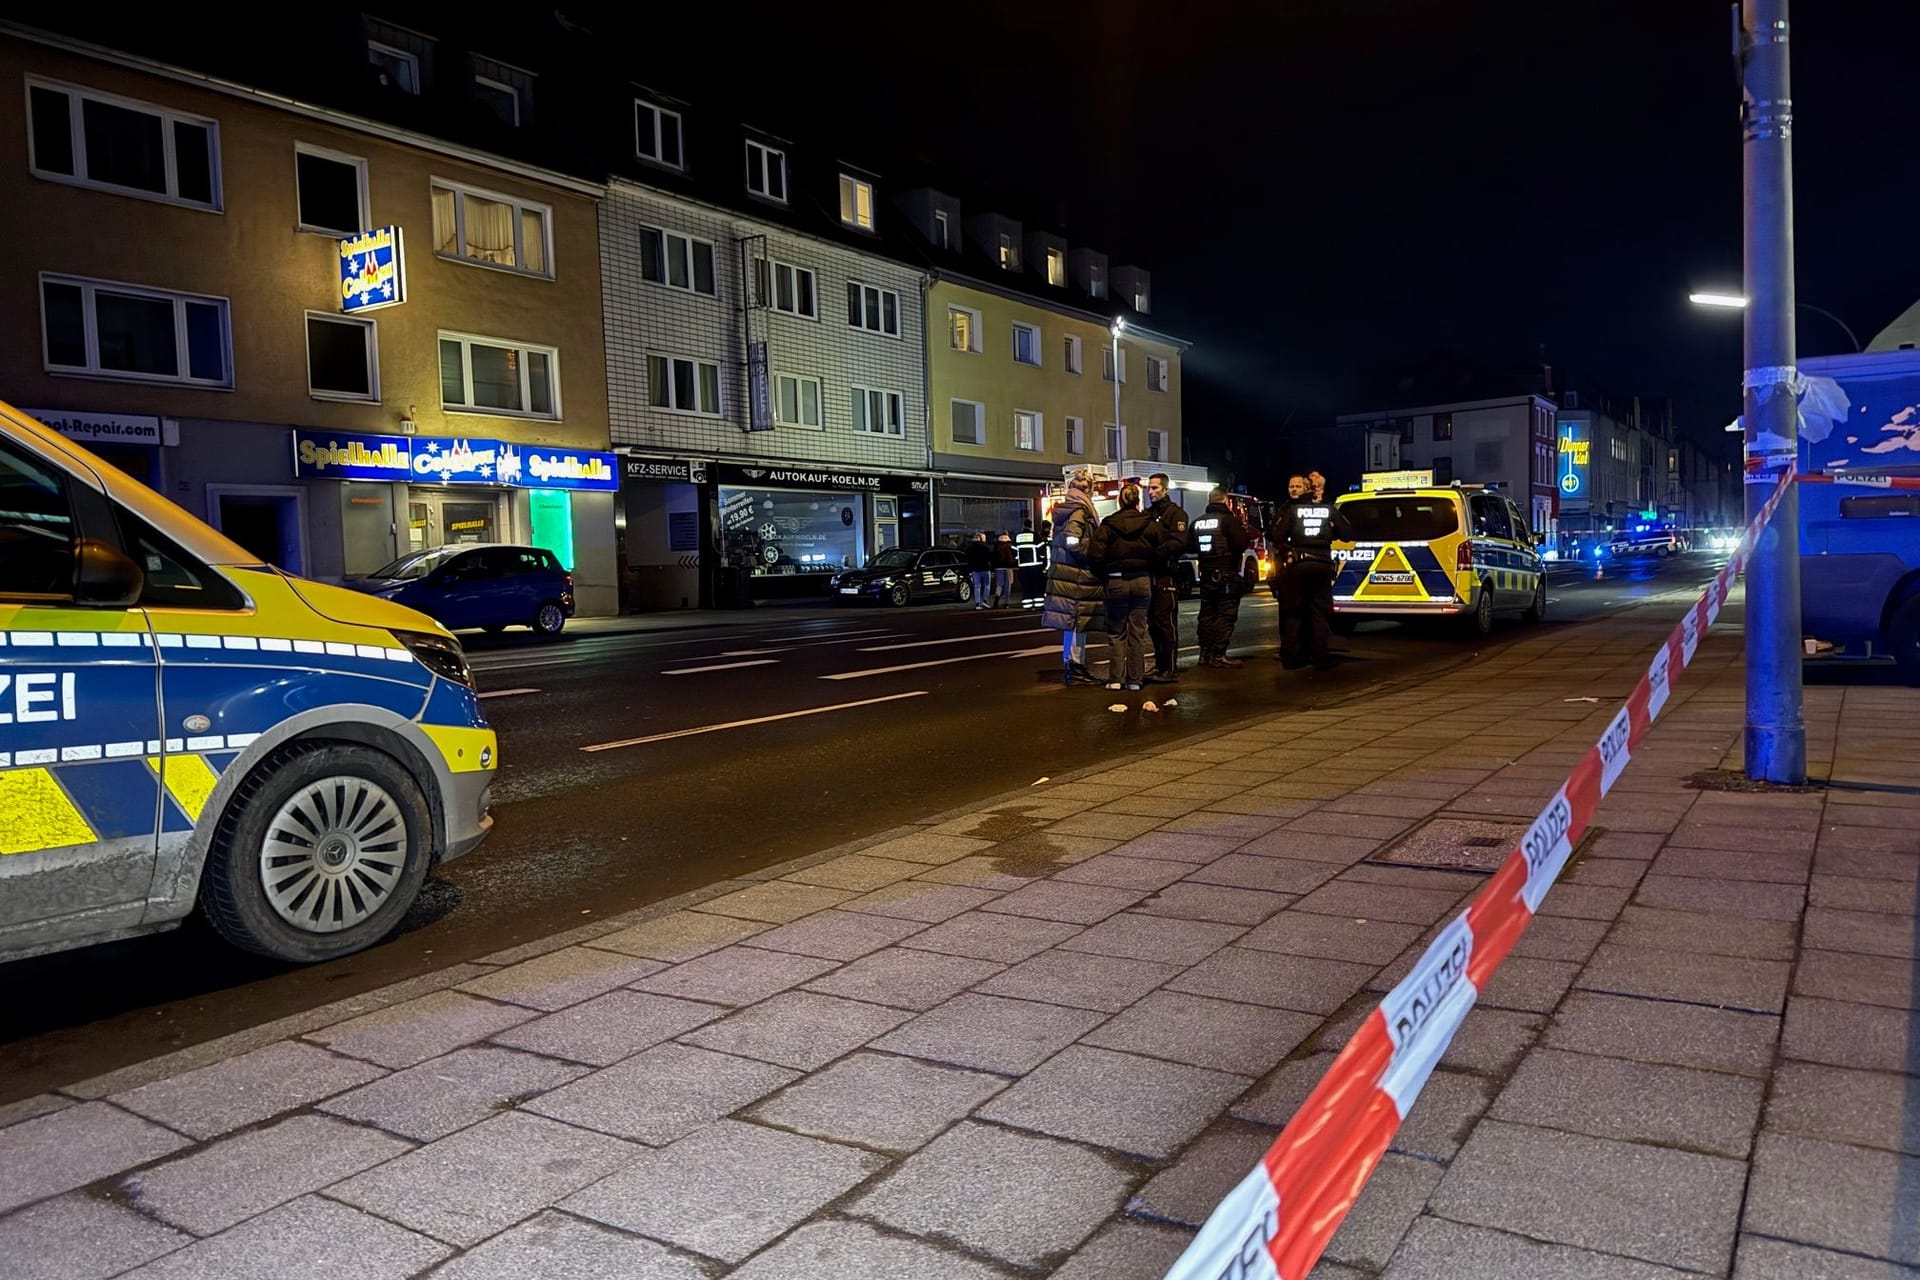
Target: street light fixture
{"points": [[1737, 301], [1120, 432]]}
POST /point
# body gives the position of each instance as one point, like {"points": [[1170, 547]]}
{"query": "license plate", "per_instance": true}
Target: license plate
{"points": [[849, 591], [1391, 579]]}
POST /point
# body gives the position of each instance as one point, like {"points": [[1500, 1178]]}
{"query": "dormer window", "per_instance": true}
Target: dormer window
{"points": [[1056, 268], [505, 91], [942, 229], [766, 171], [1009, 253], [1096, 281], [656, 135], [401, 59], [856, 202]]}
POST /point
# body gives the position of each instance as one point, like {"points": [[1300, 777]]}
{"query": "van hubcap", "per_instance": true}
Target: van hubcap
{"points": [[333, 854]]}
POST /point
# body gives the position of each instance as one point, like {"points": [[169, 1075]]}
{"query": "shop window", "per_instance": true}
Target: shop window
{"points": [[777, 532], [343, 360]]}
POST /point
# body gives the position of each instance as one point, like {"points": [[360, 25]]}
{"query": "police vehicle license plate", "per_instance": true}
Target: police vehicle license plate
{"points": [[1392, 579]]}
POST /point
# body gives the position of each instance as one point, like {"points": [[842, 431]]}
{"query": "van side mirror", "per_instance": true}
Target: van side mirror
{"points": [[106, 576]]}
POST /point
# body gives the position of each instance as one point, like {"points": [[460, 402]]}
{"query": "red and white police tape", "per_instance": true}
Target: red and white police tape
{"points": [[1274, 1225]]}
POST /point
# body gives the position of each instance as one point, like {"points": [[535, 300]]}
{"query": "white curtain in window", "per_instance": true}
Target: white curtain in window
{"points": [[533, 239], [490, 231], [446, 234]]}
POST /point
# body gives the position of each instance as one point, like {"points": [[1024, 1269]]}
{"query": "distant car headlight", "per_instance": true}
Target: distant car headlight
{"points": [[441, 655]]}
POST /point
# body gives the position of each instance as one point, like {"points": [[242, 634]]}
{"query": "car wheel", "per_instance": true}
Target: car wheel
{"points": [[1480, 621], [320, 853], [964, 592], [549, 619], [901, 594], [1903, 637], [1537, 611]]}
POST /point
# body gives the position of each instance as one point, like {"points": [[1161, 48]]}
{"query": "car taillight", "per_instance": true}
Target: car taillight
{"points": [[569, 578], [1464, 560]]}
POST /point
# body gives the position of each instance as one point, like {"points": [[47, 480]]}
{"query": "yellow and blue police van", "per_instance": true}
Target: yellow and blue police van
{"points": [[184, 726], [1418, 549]]}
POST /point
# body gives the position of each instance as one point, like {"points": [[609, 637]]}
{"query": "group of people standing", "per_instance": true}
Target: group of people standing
{"points": [[990, 565], [1126, 568]]}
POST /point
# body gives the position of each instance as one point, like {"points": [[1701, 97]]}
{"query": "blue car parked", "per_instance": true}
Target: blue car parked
{"points": [[494, 586]]}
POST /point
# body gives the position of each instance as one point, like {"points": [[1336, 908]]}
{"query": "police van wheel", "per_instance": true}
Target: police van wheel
{"points": [[550, 618], [1480, 621], [1537, 611], [319, 855]]}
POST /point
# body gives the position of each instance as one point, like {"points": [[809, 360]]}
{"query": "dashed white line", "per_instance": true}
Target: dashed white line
{"points": [[923, 644], [941, 662], [721, 666], [506, 693], [741, 724]]}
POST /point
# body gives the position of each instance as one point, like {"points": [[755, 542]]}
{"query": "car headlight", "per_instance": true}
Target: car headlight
{"points": [[441, 655]]}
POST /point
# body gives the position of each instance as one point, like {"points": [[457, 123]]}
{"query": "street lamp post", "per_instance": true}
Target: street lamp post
{"points": [[1736, 300], [1120, 431]]}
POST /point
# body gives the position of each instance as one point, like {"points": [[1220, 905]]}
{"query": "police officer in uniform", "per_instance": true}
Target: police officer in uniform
{"points": [[1222, 541], [1307, 530], [1163, 617]]}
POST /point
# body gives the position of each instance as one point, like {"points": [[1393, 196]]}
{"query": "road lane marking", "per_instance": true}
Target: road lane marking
{"points": [[506, 693], [922, 644], [741, 724], [724, 666], [742, 653], [822, 635], [941, 662]]}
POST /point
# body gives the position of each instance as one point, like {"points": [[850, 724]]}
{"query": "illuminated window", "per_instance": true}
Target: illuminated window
{"points": [[1056, 268], [1009, 253], [963, 326], [483, 226], [856, 202], [1027, 432]]}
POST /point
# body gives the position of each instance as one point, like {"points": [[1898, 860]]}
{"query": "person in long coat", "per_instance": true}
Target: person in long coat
{"points": [[1075, 593]]}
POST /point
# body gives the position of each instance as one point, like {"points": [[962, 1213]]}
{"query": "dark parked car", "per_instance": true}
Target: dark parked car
{"points": [[493, 586], [903, 575]]}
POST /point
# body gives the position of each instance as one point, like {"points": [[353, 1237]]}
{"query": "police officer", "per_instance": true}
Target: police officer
{"points": [[1307, 530], [1163, 617], [1222, 540], [1283, 584]]}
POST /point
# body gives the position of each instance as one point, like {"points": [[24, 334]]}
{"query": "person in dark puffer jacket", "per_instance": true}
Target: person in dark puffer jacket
{"points": [[1074, 591], [1130, 542]]}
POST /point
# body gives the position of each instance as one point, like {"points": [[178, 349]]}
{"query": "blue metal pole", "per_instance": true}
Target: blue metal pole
{"points": [[1776, 740]]}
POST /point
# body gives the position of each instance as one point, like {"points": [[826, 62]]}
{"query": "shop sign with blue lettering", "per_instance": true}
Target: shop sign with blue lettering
{"points": [[373, 270], [456, 460]]}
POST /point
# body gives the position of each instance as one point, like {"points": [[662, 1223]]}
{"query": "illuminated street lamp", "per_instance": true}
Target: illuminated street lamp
{"points": [[1737, 302], [1119, 326]]}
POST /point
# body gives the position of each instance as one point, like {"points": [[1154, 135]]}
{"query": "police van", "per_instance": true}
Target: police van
{"points": [[183, 726], [1422, 550]]}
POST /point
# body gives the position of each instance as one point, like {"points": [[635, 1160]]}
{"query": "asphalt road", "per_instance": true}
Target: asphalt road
{"points": [[637, 766]]}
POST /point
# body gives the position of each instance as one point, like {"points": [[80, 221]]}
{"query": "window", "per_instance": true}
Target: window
{"points": [[1156, 446], [766, 171], [36, 525], [1026, 431], [877, 412], [1490, 518], [1107, 365], [1443, 426], [784, 288], [484, 375], [332, 191], [679, 262], [343, 361], [796, 401], [874, 309], [1096, 280], [1056, 268], [396, 68], [942, 229], [1116, 443], [1140, 298], [969, 422], [1009, 253], [856, 203], [1077, 437], [681, 385], [963, 328], [1026, 345], [1156, 374], [121, 145], [502, 99], [127, 331], [1073, 354], [656, 134], [471, 225]]}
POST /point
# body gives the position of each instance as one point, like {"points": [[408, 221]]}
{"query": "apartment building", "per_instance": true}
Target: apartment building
{"points": [[1507, 441]]}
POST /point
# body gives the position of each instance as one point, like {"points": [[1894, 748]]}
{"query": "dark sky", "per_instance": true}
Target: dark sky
{"points": [[1323, 187]]}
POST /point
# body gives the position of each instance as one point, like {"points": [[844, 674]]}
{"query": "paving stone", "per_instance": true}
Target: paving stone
{"points": [[905, 979], [1243, 1038], [1862, 1036], [1124, 1250], [1732, 897], [859, 872], [1864, 1203], [1626, 844], [993, 874], [1217, 833], [1528, 985], [1850, 893], [928, 847], [561, 978], [1436, 1249], [1022, 1199], [1585, 901], [1190, 1189], [607, 1028], [1763, 1259], [663, 1094], [553, 1244], [1706, 933], [879, 1100], [1044, 853], [1727, 864], [1149, 806], [1635, 1101], [1660, 1031], [1304, 983], [1365, 939], [310, 1237], [247, 1089], [1113, 826], [439, 1097], [249, 1173], [1069, 903], [920, 900], [1140, 937], [1333, 850], [1117, 872], [1189, 901], [1560, 938], [1837, 975], [736, 975], [1395, 1193], [990, 1033], [1107, 983], [1119, 1100], [54, 1153], [799, 1029], [1868, 932], [1865, 1108], [837, 935], [1862, 860], [1672, 1207], [1274, 875], [775, 902], [409, 1033], [986, 936], [1619, 873], [466, 1187], [848, 1250], [1381, 902], [1693, 834], [1757, 985], [77, 1237], [679, 937], [725, 1190], [1449, 1105], [40, 1104]]}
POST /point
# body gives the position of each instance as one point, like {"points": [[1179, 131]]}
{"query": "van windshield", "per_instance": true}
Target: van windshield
{"points": [[416, 565], [1394, 519]]}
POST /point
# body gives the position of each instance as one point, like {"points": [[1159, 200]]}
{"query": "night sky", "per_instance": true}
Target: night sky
{"points": [[1326, 191]]}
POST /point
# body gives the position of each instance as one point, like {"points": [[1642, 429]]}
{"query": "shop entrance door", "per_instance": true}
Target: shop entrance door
{"points": [[886, 524], [264, 519], [437, 518]]}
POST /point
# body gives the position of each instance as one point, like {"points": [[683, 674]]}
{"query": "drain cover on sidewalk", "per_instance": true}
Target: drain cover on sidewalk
{"points": [[1454, 844]]}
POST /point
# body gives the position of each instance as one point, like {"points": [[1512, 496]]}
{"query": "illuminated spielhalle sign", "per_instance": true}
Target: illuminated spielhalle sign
{"points": [[1573, 463], [324, 455], [373, 270]]}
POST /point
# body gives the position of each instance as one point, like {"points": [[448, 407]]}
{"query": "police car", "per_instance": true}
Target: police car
{"points": [[182, 725], [1421, 550]]}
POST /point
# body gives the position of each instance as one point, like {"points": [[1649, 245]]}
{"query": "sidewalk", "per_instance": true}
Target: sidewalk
{"points": [[1046, 1035]]}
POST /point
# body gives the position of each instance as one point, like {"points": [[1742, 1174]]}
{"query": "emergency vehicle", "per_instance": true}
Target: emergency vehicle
{"points": [[1422, 550], [182, 725]]}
